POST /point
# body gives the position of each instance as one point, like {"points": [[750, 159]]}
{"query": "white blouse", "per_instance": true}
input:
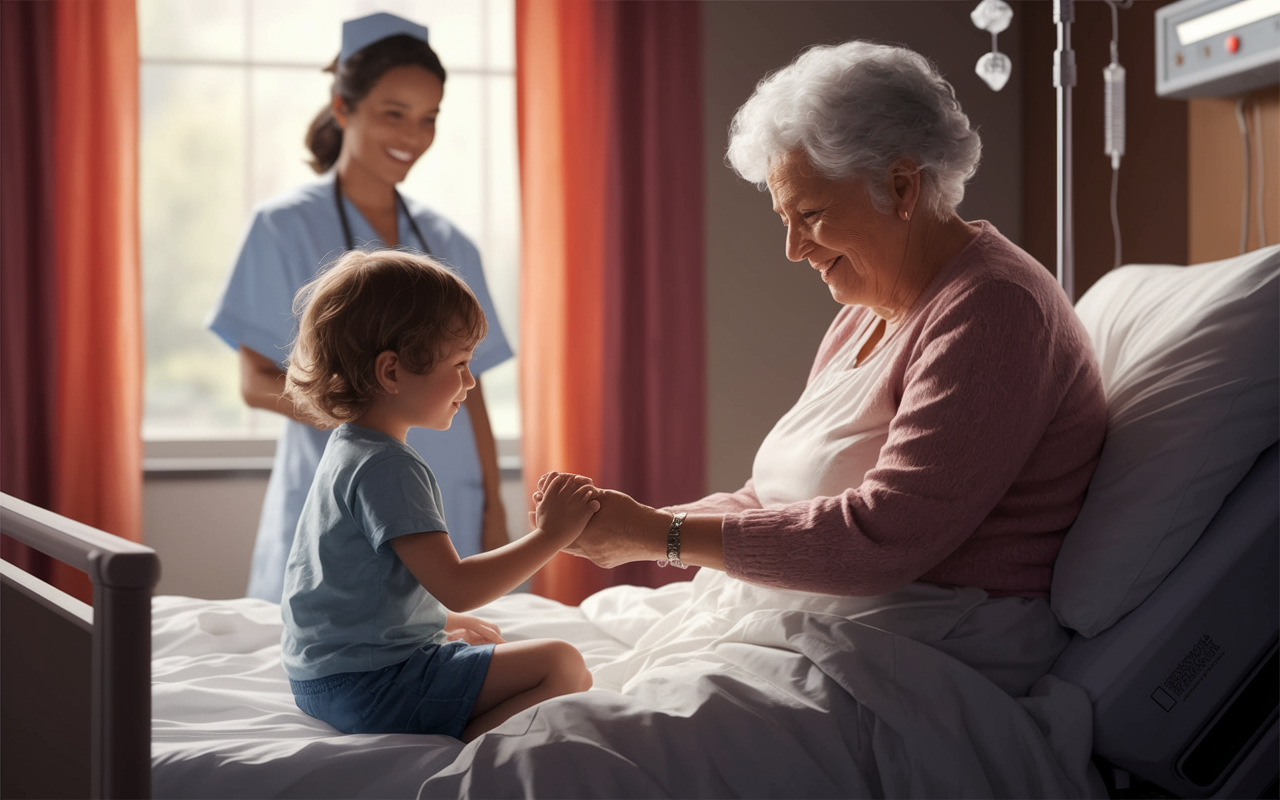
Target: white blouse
{"points": [[833, 434]]}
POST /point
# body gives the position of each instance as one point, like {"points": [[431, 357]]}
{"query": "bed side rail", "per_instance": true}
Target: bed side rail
{"points": [[124, 574]]}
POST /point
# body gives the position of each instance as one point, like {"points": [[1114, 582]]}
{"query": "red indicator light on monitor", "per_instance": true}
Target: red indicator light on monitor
{"points": [[1233, 44]]}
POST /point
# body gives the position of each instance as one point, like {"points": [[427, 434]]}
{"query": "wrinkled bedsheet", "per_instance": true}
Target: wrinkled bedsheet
{"points": [[713, 688]]}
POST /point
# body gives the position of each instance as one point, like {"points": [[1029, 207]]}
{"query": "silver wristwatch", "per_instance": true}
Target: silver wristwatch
{"points": [[673, 543]]}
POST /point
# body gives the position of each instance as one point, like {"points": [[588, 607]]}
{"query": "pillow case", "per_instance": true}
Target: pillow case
{"points": [[1189, 359]]}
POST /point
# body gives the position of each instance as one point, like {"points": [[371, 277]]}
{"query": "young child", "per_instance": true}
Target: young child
{"points": [[383, 344]]}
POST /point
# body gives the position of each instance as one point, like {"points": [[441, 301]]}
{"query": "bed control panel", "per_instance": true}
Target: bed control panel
{"points": [[1217, 48]]}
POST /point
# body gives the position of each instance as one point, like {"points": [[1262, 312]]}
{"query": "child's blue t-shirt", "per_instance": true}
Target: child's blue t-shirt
{"points": [[350, 604]]}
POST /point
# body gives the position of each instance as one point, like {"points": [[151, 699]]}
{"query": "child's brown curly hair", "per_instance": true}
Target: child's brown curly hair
{"points": [[365, 304]]}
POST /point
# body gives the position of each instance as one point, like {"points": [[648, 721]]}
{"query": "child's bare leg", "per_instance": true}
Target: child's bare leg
{"points": [[522, 674]]}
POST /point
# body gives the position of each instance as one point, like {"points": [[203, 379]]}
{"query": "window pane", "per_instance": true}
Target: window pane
{"points": [[502, 246], [286, 31], [502, 249], [501, 399], [191, 30], [285, 99], [454, 28], [193, 208], [305, 33], [500, 21]]}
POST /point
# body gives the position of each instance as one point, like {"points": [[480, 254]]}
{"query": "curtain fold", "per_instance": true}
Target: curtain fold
{"points": [[27, 286], [612, 313], [86, 237]]}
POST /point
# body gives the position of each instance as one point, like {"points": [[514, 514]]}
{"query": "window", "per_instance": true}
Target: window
{"points": [[228, 90]]}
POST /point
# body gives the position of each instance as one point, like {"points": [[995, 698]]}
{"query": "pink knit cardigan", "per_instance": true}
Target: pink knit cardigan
{"points": [[999, 426]]}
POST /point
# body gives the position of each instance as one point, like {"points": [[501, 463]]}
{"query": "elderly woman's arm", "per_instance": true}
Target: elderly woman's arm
{"points": [[624, 530], [984, 379], [721, 502]]}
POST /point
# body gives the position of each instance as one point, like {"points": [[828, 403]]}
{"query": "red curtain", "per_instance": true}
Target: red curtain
{"points": [[73, 353], [612, 315], [27, 288]]}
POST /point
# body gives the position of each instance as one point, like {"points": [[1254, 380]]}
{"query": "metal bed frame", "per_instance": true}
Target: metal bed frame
{"points": [[60, 657]]}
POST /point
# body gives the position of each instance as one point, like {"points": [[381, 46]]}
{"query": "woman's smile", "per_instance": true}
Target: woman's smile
{"points": [[826, 268], [403, 156]]}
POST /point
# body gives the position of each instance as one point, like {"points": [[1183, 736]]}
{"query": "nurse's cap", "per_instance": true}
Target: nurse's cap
{"points": [[357, 34]]}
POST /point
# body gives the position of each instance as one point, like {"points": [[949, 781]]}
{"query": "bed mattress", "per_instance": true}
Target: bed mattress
{"points": [[708, 688]]}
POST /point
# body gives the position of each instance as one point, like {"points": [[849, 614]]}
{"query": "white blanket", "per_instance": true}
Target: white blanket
{"points": [[714, 688]]}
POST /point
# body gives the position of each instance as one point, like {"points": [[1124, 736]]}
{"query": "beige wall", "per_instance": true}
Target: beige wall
{"points": [[765, 316], [202, 528], [1216, 174]]}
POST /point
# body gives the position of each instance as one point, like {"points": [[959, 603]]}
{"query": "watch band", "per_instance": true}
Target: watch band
{"points": [[673, 543]]}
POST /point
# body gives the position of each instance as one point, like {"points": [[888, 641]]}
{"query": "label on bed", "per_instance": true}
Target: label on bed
{"points": [[1184, 679]]}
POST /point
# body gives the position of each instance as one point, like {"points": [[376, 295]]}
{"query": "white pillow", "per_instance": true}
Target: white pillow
{"points": [[1189, 359]]}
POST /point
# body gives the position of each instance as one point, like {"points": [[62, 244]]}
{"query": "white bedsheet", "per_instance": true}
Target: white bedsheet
{"points": [[714, 688]]}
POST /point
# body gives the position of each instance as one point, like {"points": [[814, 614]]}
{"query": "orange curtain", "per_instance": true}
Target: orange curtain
{"points": [[562, 132], [97, 464], [609, 110]]}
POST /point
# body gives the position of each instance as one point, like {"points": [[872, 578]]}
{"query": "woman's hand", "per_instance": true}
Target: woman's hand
{"points": [[262, 386], [472, 630], [622, 531]]}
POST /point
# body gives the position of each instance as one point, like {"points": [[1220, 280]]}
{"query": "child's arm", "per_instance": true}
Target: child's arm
{"points": [[463, 584]]}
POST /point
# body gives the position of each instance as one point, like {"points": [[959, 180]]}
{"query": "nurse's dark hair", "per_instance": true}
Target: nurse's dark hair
{"points": [[352, 81], [363, 305]]}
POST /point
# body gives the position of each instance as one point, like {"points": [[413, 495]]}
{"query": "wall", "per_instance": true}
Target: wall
{"points": [[765, 315], [202, 525], [1216, 174]]}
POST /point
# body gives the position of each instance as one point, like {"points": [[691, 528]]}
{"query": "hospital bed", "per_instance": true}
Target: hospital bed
{"points": [[1168, 687]]}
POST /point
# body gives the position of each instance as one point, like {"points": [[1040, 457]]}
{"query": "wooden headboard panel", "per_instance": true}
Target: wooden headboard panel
{"points": [[75, 682]]}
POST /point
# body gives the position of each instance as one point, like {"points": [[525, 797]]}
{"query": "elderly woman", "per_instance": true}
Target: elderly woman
{"points": [[954, 413]]}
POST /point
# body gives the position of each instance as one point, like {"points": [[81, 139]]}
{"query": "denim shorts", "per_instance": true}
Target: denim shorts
{"points": [[432, 692]]}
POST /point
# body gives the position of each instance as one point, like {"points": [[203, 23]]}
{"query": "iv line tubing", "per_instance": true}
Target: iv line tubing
{"points": [[1262, 173], [1248, 175]]}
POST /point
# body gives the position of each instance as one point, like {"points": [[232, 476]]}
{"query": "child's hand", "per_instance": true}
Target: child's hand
{"points": [[472, 630], [565, 503]]}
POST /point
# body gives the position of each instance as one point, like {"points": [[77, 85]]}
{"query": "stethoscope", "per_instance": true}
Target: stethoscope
{"points": [[346, 226]]}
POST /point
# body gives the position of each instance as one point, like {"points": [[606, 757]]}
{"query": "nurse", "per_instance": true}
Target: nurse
{"points": [[386, 94]]}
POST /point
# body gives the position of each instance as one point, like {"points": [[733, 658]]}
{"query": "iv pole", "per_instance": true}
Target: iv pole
{"points": [[1064, 78]]}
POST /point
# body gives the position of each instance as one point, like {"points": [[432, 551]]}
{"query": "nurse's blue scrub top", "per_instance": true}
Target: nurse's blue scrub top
{"points": [[289, 238]]}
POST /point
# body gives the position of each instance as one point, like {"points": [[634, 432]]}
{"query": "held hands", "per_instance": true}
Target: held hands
{"points": [[622, 531], [565, 503]]}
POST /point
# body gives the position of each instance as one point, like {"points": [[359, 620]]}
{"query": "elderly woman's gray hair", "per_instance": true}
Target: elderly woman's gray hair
{"points": [[855, 109]]}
